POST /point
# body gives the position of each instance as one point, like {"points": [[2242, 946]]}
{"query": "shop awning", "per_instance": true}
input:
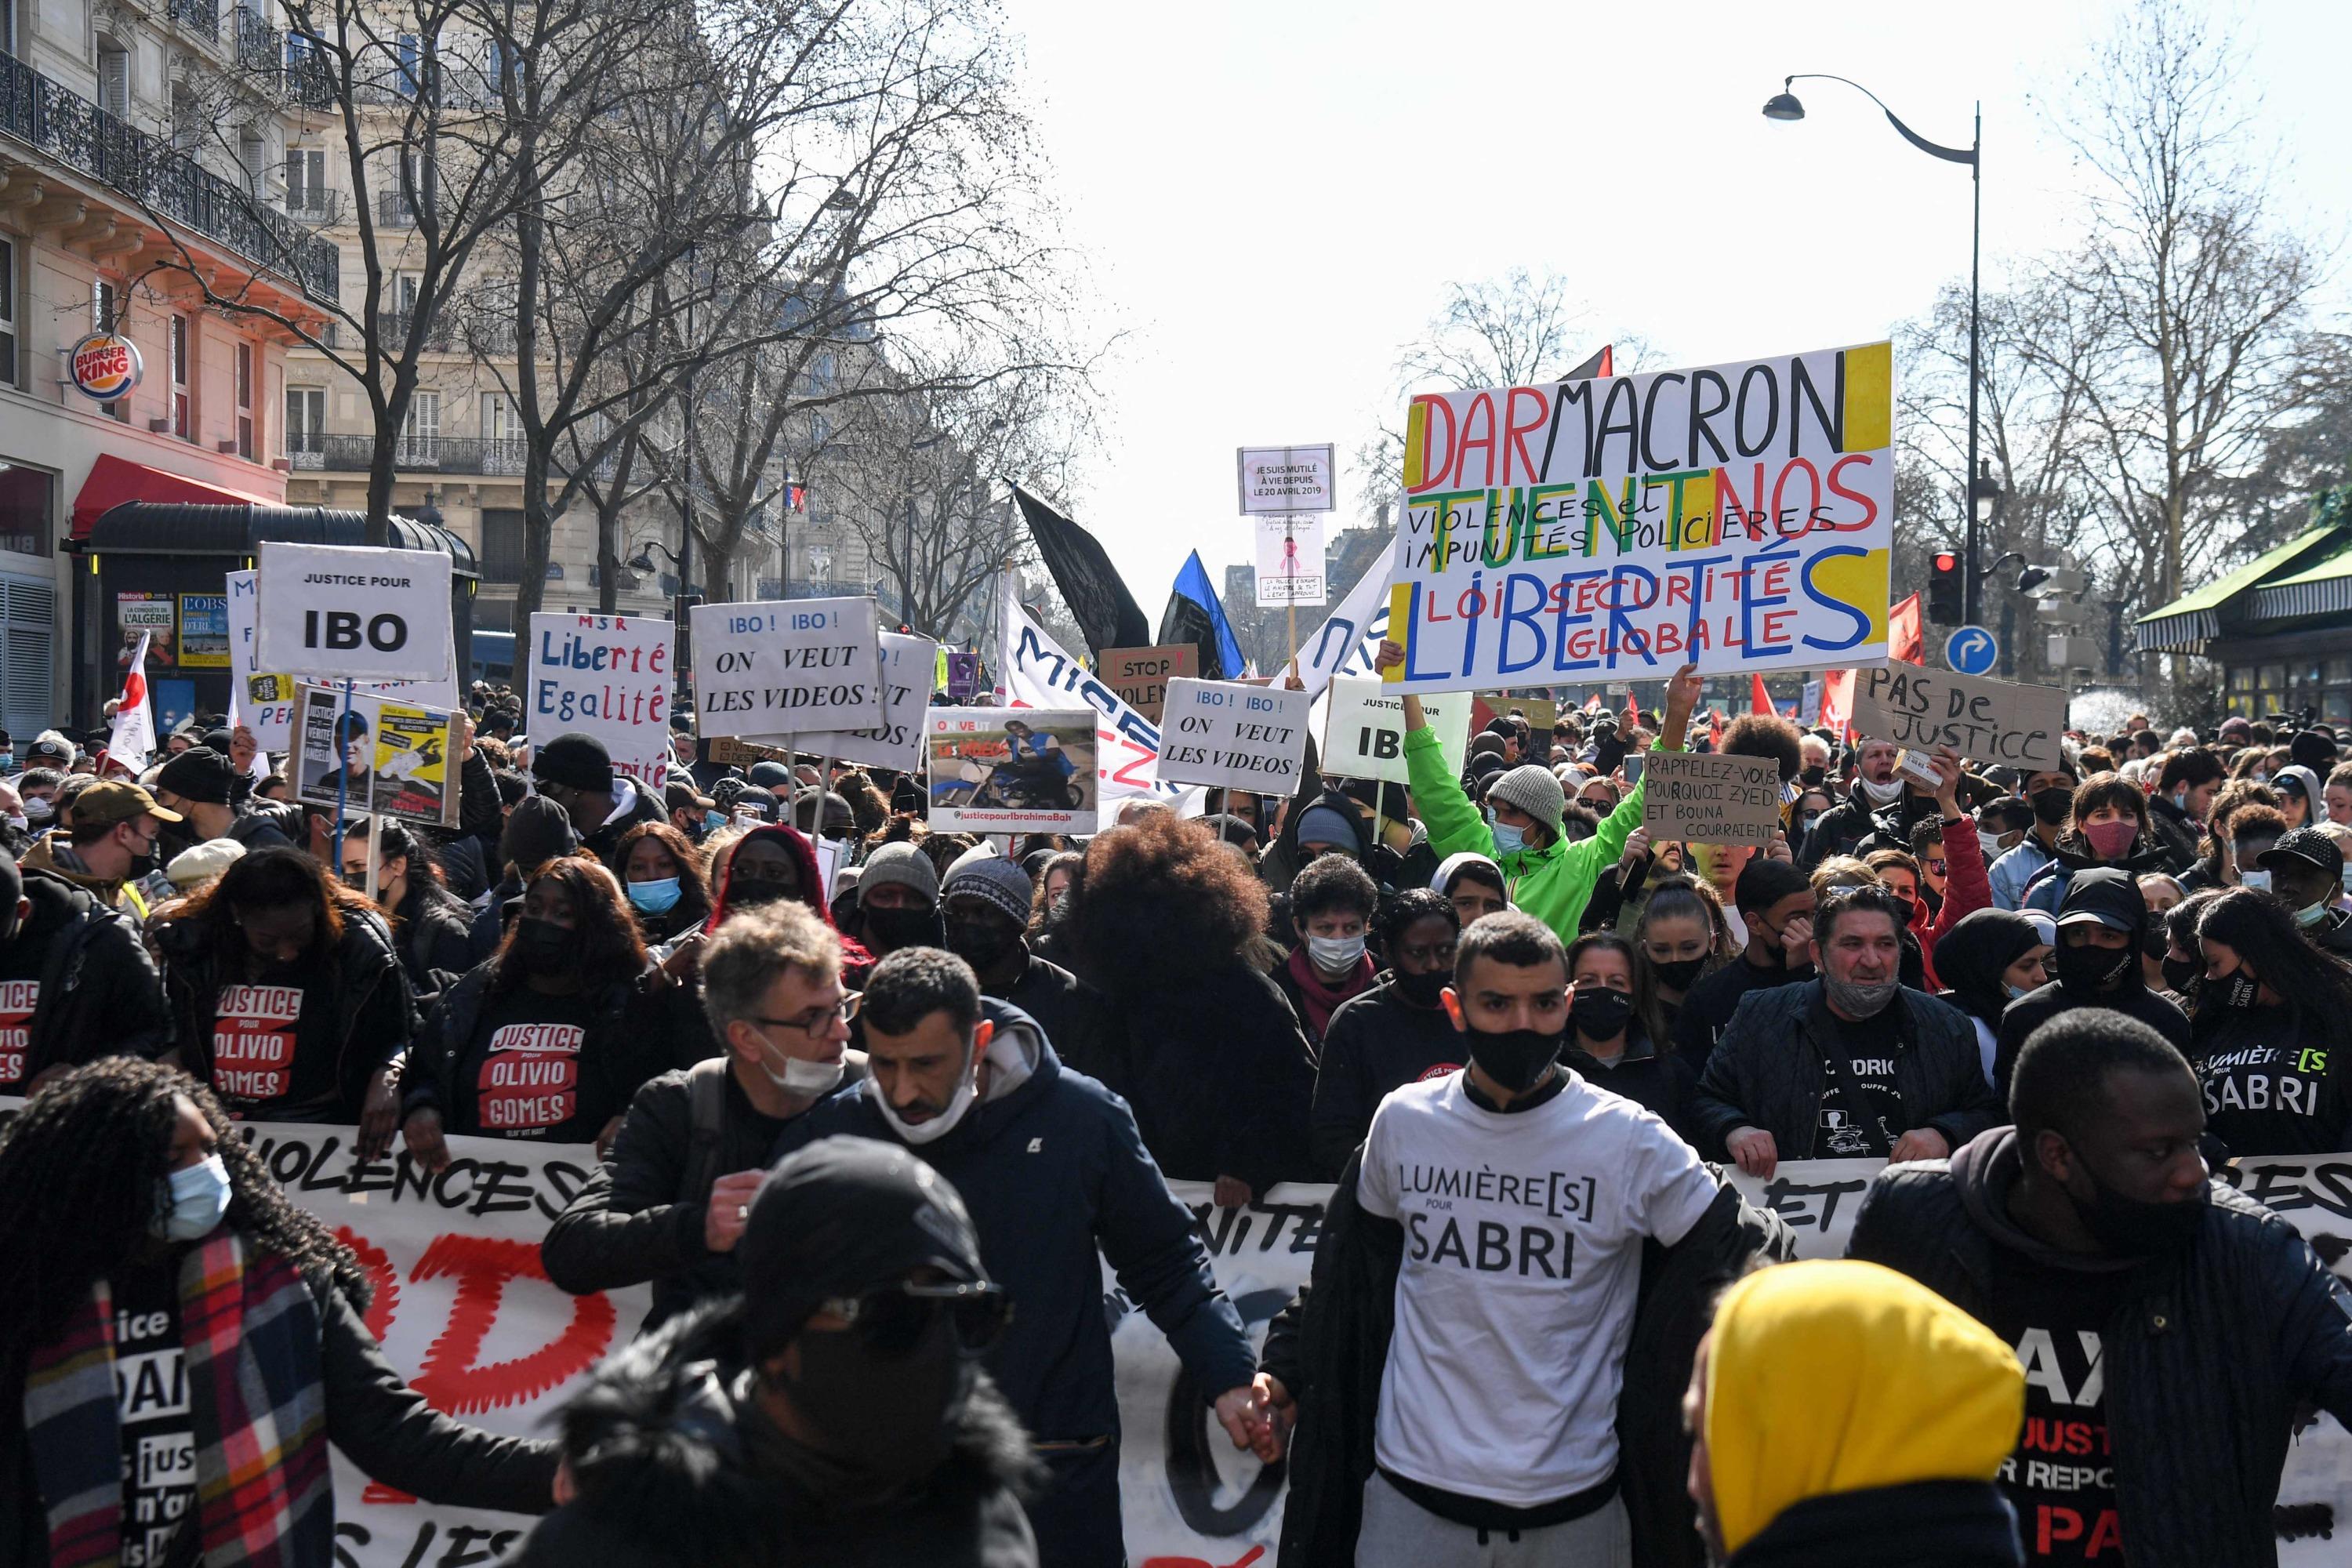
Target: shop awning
{"points": [[2189, 622], [113, 481], [2325, 589]]}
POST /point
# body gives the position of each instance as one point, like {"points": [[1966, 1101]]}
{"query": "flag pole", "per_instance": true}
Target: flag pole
{"points": [[343, 772]]}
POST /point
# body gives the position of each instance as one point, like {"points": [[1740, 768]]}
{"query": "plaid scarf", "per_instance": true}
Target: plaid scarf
{"points": [[249, 1330]]}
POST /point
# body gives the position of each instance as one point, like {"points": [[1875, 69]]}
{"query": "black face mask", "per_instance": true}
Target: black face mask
{"points": [[2132, 1227], [2180, 973], [1813, 775], [895, 928], [2241, 992], [891, 1414], [172, 837], [981, 944], [1600, 1014], [2052, 807], [544, 947], [2153, 942], [1516, 1058], [750, 892], [1421, 990], [2091, 968], [1680, 974]]}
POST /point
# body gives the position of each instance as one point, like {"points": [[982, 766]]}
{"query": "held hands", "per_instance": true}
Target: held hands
{"points": [[1243, 1413], [1273, 1436], [724, 1215], [1754, 1150], [426, 1146], [1230, 1192]]}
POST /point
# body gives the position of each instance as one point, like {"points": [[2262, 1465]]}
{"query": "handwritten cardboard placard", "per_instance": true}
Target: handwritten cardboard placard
{"points": [[1989, 721], [1140, 675], [1231, 736], [1710, 799]]}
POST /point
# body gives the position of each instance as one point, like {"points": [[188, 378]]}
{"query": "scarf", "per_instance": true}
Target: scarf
{"points": [[249, 1332], [1323, 1000]]}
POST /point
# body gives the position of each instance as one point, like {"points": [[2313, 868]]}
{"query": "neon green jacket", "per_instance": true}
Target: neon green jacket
{"points": [[1553, 883]]}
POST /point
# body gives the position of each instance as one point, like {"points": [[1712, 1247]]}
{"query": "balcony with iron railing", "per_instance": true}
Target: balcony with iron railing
{"points": [[494, 456], [316, 205], [197, 15], [71, 129]]}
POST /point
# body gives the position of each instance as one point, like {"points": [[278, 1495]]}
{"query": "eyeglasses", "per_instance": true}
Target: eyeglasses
{"points": [[893, 1319], [817, 1020]]}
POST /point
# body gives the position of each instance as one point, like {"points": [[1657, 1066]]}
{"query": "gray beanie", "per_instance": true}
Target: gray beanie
{"points": [[903, 863], [994, 879], [1533, 790]]}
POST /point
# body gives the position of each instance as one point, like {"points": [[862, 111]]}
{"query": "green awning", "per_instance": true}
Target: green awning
{"points": [[2189, 622], [2323, 589]]}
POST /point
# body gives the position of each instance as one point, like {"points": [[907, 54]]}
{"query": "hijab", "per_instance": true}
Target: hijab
{"points": [[1970, 956]]}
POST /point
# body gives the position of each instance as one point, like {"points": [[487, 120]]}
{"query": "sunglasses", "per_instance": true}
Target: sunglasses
{"points": [[894, 1318]]}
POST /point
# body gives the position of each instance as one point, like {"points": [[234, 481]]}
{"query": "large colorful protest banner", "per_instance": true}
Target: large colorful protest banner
{"points": [[1738, 516]]}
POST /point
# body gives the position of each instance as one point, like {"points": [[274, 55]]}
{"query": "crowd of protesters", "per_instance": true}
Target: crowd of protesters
{"points": [[876, 1104]]}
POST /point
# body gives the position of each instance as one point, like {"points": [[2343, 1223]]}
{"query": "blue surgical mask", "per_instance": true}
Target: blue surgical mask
{"points": [[7, 761], [712, 821], [1509, 840], [2015, 990], [197, 1201], [655, 897], [2311, 915]]}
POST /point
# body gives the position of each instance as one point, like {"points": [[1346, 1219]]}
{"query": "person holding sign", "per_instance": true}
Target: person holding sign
{"points": [[289, 997], [1550, 878]]}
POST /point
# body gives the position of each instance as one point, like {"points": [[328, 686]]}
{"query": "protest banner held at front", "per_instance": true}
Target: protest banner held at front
{"points": [[1739, 517]]}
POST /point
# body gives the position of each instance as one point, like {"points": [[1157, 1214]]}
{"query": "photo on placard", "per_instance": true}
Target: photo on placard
{"points": [[335, 754], [385, 757], [413, 763], [996, 769]]}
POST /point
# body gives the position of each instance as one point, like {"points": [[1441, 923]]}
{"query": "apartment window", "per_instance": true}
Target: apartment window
{"points": [[183, 353], [501, 557], [420, 432], [306, 422], [28, 508], [8, 25], [254, 153], [114, 81], [306, 181], [245, 441], [501, 420], [411, 51], [9, 371], [187, 119]]}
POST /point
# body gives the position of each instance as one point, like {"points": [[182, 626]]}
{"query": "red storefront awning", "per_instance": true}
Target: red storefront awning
{"points": [[113, 481]]}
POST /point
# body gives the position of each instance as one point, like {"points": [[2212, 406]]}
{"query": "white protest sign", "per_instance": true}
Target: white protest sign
{"points": [[1278, 480], [606, 675], [345, 612], [786, 666], [1338, 644], [1710, 798], [1231, 736], [1737, 516], [1005, 770], [1038, 672], [260, 701], [1809, 706], [907, 664], [1290, 561], [1363, 732], [1991, 721]]}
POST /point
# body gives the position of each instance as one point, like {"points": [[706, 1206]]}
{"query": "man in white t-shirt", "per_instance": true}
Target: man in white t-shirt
{"points": [[1525, 1195]]}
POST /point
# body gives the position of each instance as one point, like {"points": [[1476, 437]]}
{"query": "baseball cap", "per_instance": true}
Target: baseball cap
{"points": [[110, 801], [2310, 846]]}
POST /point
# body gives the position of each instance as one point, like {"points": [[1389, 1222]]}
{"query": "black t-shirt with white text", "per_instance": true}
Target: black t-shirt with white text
{"points": [[1867, 1053], [2061, 1478], [21, 963], [2267, 1088], [159, 1438], [274, 1045], [521, 1074]]}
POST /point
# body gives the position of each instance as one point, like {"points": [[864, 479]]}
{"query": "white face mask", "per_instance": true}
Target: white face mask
{"points": [[1334, 954], [1885, 793], [2260, 882], [197, 1201], [1991, 844], [938, 1127], [805, 1079]]}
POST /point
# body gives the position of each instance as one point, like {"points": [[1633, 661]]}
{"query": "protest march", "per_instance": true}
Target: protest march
{"points": [[1603, 1050]]}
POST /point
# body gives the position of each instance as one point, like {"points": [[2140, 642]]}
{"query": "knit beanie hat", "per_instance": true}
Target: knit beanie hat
{"points": [[1327, 825], [994, 879], [1533, 790], [537, 831], [575, 761], [902, 862]]}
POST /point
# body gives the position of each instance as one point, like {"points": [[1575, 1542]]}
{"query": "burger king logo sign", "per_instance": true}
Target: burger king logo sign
{"points": [[106, 366]]}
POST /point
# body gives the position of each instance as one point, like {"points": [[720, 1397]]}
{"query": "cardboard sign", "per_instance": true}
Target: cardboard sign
{"points": [[729, 751], [1290, 561], [339, 612], [606, 675], [1363, 731], [1989, 721], [1278, 480], [1140, 675], [1710, 799], [1738, 516], [908, 663], [1231, 736], [386, 757], [786, 666], [1003, 770]]}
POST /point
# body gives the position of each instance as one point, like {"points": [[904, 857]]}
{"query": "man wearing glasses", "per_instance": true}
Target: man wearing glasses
{"points": [[671, 1199], [1052, 1169], [835, 1412]]}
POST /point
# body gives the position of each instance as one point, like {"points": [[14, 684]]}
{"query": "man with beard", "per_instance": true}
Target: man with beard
{"points": [[2101, 925], [1850, 1064], [2170, 1327], [835, 1412], [2051, 793]]}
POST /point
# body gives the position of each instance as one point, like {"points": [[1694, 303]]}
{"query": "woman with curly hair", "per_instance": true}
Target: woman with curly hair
{"points": [[552, 1035], [1164, 920], [180, 1344], [288, 995]]}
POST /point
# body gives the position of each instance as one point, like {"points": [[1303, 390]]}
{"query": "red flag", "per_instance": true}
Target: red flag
{"points": [[1905, 636], [1715, 729], [1632, 713], [1592, 703], [1837, 700], [1758, 699]]}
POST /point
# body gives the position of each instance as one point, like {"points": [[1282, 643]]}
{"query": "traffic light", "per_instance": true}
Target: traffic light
{"points": [[1946, 595]]}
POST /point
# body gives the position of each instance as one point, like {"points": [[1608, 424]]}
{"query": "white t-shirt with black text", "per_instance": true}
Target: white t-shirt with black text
{"points": [[1522, 1258]]}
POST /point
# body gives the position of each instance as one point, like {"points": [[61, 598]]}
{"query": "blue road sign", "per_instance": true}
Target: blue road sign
{"points": [[1971, 651]]}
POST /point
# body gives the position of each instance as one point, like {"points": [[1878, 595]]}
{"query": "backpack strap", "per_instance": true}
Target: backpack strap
{"points": [[706, 1083]]}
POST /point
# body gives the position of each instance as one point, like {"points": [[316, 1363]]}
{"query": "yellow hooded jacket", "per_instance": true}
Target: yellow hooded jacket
{"points": [[1827, 1378]]}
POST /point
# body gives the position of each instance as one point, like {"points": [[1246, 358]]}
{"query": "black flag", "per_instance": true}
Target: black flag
{"points": [[1106, 612]]}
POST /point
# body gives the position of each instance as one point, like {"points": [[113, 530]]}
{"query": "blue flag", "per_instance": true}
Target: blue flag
{"points": [[1195, 614]]}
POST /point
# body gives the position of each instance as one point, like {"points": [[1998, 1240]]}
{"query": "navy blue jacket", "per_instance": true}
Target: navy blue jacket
{"points": [[1050, 1172]]}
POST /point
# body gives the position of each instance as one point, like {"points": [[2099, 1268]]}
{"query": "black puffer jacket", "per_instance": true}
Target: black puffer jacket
{"points": [[2208, 1357], [100, 992], [1840, 828], [1767, 1069], [1926, 1524]]}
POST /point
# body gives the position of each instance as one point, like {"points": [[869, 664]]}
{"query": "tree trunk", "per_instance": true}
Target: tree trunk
{"points": [[379, 492], [538, 529], [608, 552]]}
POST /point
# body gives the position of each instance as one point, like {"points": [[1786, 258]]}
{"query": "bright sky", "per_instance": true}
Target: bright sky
{"points": [[1275, 194]]}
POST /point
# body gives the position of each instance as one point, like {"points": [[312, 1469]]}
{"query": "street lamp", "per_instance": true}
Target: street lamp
{"points": [[1783, 106], [643, 561]]}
